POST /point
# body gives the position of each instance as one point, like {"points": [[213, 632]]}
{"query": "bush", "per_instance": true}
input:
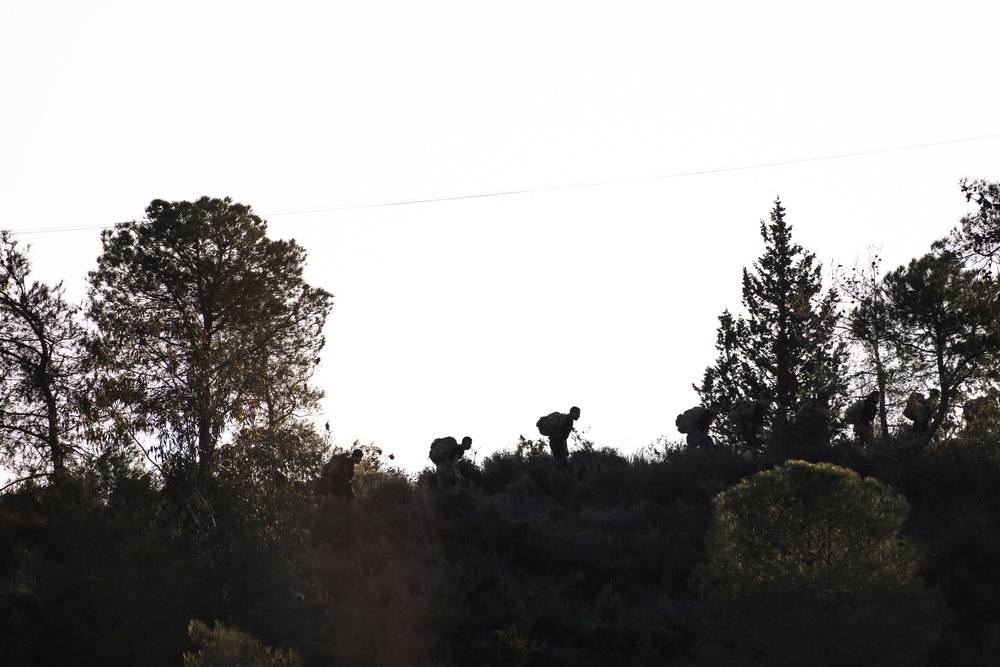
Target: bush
{"points": [[226, 647], [807, 565]]}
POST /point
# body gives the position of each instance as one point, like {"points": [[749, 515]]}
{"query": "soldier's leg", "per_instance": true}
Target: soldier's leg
{"points": [[560, 449]]}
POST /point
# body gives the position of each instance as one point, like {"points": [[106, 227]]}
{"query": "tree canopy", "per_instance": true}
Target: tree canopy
{"points": [[786, 342], [39, 368], [944, 323], [204, 324], [976, 239]]}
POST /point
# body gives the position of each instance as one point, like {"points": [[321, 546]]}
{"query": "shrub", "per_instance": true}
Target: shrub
{"points": [[223, 647], [521, 650], [807, 563]]}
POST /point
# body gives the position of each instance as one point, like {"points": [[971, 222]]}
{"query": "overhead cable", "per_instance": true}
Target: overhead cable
{"points": [[569, 186]]}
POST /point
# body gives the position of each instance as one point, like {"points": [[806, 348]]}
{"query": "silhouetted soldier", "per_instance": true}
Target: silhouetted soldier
{"points": [[340, 473], [447, 469], [920, 409], [748, 417], [864, 429], [698, 435], [558, 426]]}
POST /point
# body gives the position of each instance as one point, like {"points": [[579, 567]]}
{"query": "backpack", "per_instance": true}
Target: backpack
{"points": [[330, 469], [853, 413], [916, 407], [741, 415], [442, 448], [550, 423], [687, 420]]}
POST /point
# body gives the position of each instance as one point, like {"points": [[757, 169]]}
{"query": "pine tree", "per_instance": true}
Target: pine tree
{"points": [[204, 325], [40, 376], [944, 323], [786, 344], [867, 326]]}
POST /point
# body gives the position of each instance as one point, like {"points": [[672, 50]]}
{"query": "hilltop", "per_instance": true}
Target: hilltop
{"points": [[526, 565]]}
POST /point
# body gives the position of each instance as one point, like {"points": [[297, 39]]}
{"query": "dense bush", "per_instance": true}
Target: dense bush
{"points": [[807, 564]]}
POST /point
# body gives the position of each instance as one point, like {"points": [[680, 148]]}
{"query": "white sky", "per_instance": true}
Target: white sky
{"points": [[476, 316]]}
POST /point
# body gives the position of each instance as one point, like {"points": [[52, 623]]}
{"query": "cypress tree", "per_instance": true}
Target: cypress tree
{"points": [[786, 343]]}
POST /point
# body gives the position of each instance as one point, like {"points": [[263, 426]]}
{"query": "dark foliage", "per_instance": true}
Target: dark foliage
{"points": [[528, 564], [786, 343]]}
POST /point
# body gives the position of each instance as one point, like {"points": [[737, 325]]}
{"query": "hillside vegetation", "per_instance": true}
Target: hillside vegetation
{"points": [[604, 565]]}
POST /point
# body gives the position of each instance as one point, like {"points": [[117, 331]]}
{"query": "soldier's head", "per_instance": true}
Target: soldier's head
{"points": [[574, 412], [872, 397], [935, 393], [357, 455], [467, 442], [766, 398]]}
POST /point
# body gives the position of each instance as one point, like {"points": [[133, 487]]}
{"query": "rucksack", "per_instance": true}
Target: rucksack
{"points": [[330, 469], [853, 413], [916, 407], [442, 448], [550, 423], [687, 420], [741, 415]]}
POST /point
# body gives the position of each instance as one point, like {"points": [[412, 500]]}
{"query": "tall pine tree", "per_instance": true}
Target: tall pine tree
{"points": [[204, 325], [786, 343]]}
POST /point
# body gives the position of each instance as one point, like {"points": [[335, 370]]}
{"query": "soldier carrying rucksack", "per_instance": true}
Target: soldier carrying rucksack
{"points": [[695, 422], [338, 475], [919, 409], [748, 417], [862, 415], [557, 426], [445, 453]]}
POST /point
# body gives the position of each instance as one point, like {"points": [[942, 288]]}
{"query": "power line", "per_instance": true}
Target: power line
{"points": [[570, 186], [633, 179], [68, 228]]}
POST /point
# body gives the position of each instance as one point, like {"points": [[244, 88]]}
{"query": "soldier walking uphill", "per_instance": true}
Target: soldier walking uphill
{"points": [[557, 426], [338, 474], [445, 453], [919, 409], [748, 418], [862, 414], [695, 422]]}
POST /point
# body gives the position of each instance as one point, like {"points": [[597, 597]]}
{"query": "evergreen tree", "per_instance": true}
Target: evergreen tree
{"points": [[204, 326], [867, 325], [944, 323], [786, 344], [39, 370], [976, 239]]}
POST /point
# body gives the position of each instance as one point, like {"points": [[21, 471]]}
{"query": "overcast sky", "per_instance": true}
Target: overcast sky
{"points": [[626, 153]]}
